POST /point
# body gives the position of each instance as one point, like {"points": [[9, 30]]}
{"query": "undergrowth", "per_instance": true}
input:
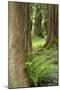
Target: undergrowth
{"points": [[42, 64], [42, 67], [37, 42]]}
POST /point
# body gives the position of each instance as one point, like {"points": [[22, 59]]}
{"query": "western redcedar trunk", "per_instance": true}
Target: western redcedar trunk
{"points": [[52, 25], [49, 30], [17, 74], [27, 29]]}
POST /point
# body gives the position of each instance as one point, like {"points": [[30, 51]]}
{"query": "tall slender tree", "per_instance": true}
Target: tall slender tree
{"points": [[38, 20], [27, 29]]}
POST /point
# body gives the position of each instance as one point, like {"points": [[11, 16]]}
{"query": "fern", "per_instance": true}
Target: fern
{"points": [[43, 67]]}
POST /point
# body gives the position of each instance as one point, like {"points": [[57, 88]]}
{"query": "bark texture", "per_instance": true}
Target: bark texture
{"points": [[17, 73], [27, 29], [52, 25]]}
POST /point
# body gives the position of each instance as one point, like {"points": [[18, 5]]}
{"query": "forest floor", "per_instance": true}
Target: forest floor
{"points": [[37, 42], [42, 65]]}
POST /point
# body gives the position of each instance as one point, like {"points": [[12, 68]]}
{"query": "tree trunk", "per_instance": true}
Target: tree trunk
{"points": [[17, 74], [52, 25], [27, 29], [56, 21], [38, 20]]}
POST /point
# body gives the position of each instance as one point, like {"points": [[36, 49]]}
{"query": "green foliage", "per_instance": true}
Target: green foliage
{"points": [[37, 42], [42, 67], [39, 13], [42, 62]]}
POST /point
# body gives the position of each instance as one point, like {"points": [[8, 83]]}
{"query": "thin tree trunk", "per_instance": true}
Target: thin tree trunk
{"points": [[27, 29], [38, 20], [56, 21]]}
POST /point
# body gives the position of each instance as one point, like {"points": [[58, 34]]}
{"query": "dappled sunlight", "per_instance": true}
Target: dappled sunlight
{"points": [[38, 42]]}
